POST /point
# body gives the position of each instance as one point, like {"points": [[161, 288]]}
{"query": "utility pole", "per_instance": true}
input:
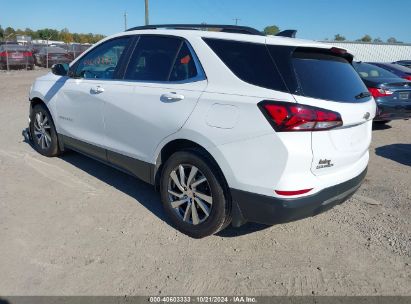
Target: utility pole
{"points": [[147, 20], [125, 20], [7, 51], [47, 51], [236, 20]]}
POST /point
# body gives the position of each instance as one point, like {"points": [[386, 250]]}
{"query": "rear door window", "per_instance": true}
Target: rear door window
{"points": [[326, 77], [184, 67], [153, 58], [251, 62]]}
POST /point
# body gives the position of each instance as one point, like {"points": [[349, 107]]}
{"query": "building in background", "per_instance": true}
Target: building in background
{"points": [[23, 39], [50, 42], [375, 52]]}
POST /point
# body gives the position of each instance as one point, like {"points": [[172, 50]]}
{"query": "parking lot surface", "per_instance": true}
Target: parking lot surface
{"points": [[73, 226]]}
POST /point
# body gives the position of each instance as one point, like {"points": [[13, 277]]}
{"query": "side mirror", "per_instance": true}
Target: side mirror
{"points": [[60, 69]]}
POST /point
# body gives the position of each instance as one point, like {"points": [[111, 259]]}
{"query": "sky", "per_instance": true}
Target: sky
{"points": [[314, 19]]}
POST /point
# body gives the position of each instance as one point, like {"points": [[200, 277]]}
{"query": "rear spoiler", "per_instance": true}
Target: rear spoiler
{"points": [[343, 53], [287, 33]]}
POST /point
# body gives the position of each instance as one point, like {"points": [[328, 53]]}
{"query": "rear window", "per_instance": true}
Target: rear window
{"points": [[251, 62], [56, 50], [14, 47], [371, 71], [326, 77], [392, 67]]}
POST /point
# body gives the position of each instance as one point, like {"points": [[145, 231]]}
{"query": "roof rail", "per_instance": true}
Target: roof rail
{"points": [[223, 28], [287, 33]]}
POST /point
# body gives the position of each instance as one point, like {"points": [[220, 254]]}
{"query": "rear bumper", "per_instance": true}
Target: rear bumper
{"points": [[393, 110], [252, 207], [14, 63]]}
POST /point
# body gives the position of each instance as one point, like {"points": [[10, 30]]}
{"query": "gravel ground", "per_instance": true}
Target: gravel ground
{"points": [[73, 226]]}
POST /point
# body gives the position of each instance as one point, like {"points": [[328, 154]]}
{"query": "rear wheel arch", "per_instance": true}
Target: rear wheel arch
{"points": [[172, 151], [185, 145]]}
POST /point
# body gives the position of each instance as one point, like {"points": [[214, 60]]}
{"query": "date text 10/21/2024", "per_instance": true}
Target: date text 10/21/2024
{"points": [[203, 299]]}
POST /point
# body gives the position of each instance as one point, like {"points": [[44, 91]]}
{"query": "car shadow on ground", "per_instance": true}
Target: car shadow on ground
{"points": [[377, 126], [245, 229], [401, 153], [142, 192], [133, 187]]}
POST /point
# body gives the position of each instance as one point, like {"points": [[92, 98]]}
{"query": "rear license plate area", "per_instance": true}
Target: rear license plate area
{"points": [[404, 95], [16, 56]]}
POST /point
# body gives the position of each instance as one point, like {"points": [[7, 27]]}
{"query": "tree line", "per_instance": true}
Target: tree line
{"points": [[65, 35], [68, 37], [367, 38]]}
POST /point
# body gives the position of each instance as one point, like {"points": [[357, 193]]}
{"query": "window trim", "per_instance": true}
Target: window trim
{"points": [[201, 76]]}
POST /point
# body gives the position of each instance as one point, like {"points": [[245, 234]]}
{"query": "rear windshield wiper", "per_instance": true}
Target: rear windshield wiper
{"points": [[363, 95]]}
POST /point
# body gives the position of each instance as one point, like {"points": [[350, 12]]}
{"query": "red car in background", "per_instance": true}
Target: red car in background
{"points": [[15, 56]]}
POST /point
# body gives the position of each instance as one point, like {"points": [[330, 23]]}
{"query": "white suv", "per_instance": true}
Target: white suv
{"points": [[230, 125]]}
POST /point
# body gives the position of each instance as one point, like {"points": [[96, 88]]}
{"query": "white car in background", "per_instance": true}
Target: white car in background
{"points": [[230, 126]]}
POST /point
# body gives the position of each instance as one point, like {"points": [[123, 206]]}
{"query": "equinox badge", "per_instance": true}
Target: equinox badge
{"points": [[324, 163]]}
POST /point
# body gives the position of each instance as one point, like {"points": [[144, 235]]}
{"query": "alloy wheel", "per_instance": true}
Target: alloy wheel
{"points": [[42, 130], [189, 194]]}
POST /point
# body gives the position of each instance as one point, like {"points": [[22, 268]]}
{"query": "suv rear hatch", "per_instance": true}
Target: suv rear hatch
{"points": [[325, 78]]}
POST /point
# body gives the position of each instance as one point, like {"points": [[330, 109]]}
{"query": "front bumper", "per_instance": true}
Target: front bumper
{"points": [[252, 207]]}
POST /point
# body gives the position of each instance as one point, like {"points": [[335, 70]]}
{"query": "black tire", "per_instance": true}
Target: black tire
{"points": [[220, 211], [49, 145]]}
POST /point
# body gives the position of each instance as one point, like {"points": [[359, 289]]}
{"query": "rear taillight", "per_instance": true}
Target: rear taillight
{"points": [[408, 77], [376, 92], [284, 117]]}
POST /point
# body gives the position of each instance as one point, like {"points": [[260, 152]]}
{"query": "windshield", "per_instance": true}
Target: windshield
{"points": [[369, 71]]}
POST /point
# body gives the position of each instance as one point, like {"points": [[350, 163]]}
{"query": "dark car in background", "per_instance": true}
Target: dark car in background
{"points": [[392, 93], [49, 55], [406, 63], [395, 68], [35, 48], [76, 49], [15, 56]]}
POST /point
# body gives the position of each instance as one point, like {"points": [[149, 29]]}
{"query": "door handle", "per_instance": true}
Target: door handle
{"points": [[171, 97], [97, 90]]}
